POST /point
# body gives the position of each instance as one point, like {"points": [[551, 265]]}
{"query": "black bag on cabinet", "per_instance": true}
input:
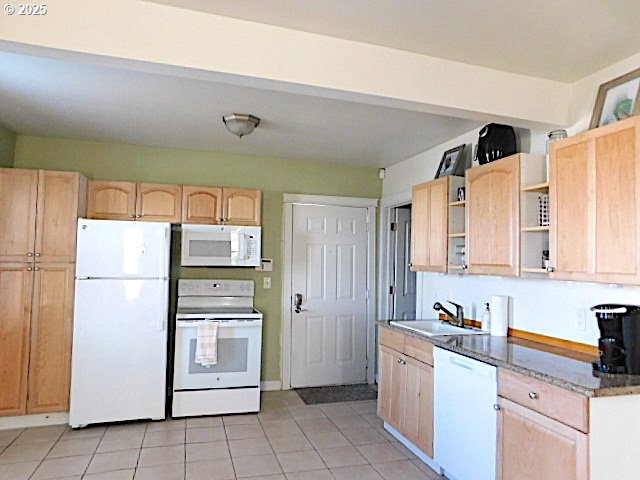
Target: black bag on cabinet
{"points": [[495, 141]]}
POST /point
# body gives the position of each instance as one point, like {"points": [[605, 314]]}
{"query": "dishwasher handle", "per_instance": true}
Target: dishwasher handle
{"points": [[461, 363]]}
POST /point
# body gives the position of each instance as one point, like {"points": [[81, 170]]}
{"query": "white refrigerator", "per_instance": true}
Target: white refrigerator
{"points": [[119, 358]]}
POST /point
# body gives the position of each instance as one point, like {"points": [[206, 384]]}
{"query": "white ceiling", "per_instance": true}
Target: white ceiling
{"points": [[56, 98], [562, 40]]}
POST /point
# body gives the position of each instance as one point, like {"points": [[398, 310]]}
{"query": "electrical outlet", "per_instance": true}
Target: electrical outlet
{"points": [[266, 282], [581, 319]]}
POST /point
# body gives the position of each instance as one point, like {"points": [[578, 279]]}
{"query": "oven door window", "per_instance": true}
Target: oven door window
{"points": [[238, 358], [232, 357]]}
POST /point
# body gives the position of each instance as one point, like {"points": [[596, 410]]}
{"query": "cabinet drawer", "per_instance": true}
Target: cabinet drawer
{"points": [[554, 402], [418, 349], [392, 339]]}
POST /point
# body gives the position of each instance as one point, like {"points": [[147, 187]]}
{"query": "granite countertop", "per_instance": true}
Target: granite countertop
{"points": [[570, 371]]}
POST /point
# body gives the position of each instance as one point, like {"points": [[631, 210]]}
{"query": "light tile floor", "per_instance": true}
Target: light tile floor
{"points": [[287, 440]]}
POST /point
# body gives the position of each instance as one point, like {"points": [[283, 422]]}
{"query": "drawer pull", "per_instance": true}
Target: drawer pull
{"points": [[497, 407], [533, 395]]}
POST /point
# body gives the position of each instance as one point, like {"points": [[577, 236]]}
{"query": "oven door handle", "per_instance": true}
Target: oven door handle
{"points": [[222, 324]]}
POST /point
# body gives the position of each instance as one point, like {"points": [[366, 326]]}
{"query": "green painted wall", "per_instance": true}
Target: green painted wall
{"points": [[7, 146], [108, 161]]}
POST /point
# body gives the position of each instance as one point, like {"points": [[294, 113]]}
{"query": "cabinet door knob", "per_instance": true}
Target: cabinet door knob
{"points": [[132, 216], [29, 269], [551, 269], [37, 269], [533, 395], [138, 216], [37, 254], [29, 254], [496, 407], [465, 266]]}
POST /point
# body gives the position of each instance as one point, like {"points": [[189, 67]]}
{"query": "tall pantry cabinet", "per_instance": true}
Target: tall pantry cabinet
{"points": [[38, 220]]}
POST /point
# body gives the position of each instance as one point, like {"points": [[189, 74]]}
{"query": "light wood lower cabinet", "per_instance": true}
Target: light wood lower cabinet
{"points": [[16, 286], [36, 301], [405, 389], [418, 424], [542, 430], [532, 446], [392, 387], [51, 335]]}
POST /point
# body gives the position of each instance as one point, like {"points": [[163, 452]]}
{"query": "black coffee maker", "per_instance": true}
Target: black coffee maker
{"points": [[619, 342]]}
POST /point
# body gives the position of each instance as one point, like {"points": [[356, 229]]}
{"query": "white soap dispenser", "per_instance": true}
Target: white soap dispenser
{"points": [[486, 318]]}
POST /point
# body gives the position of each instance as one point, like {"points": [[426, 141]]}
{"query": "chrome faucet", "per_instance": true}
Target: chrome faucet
{"points": [[458, 318]]}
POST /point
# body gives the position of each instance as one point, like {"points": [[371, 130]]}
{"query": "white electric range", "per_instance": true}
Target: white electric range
{"points": [[233, 384]]}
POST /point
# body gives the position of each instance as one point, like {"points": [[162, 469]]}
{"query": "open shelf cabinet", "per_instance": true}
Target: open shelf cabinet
{"points": [[534, 237]]}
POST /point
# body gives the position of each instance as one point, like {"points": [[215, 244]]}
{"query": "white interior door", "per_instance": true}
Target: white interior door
{"points": [[329, 272], [404, 280]]}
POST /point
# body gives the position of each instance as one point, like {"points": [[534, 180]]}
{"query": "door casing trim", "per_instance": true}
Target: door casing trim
{"points": [[287, 244]]}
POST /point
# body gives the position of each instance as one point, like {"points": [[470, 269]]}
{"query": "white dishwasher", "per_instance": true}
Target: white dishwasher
{"points": [[465, 420]]}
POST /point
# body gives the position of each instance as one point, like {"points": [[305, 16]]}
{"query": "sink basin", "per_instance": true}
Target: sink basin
{"points": [[432, 328]]}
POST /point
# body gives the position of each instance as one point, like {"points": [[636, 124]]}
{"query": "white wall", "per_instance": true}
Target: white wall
{"points": [[542, 306]]}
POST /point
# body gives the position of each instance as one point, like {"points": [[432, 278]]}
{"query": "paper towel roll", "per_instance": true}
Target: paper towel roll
{"points": [[499, 315]]}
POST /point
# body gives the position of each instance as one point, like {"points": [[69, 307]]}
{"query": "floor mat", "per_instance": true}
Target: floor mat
{"points": [[337, 393]]}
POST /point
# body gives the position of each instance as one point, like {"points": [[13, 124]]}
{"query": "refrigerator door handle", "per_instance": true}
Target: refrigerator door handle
{"points": [[165, 304]]}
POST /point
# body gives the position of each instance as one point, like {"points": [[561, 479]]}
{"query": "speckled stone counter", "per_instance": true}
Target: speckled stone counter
{"points": [[504, 352]]}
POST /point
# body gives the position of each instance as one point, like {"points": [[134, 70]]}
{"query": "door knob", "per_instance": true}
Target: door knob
{"points": [[297, 302]]}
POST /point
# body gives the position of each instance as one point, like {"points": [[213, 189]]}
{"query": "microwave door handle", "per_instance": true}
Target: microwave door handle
{"points": [[242, 246]]}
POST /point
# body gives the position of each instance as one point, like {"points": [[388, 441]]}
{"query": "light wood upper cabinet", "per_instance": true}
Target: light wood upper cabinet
{"points": [[156, 202], [493, 217], [111, 200], [39, 210], [18, 198], [241, 206], [532, 446], [201, 204], [595, 205], [151, 202], [429, 226], [61, 200], [16, 284], [159, 202], [51, 333]]}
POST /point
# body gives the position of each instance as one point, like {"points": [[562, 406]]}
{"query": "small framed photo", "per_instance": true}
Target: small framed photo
{"points": [[617, 99], [451, 163]]}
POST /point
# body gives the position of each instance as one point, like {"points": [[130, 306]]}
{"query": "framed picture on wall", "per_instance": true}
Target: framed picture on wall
{"points": [[617, 99], [451, 162]]}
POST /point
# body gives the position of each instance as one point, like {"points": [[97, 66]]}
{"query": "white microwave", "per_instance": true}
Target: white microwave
{"points": [[220, 246]]}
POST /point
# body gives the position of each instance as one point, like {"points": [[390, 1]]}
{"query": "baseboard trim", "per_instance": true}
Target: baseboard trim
{"points": [[39, 420], [271, 385]]}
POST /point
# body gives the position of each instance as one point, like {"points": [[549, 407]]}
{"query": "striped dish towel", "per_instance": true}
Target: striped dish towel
{"points": [[207, 343]]}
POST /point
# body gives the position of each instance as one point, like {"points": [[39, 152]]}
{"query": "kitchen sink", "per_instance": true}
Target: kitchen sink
{"points": [[432, 328]]}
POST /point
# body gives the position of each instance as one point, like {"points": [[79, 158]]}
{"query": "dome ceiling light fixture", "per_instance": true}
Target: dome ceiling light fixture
{"points": [[240, 124]]}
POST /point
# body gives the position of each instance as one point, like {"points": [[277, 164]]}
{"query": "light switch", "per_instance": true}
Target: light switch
{"points": [[266, 282]]}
